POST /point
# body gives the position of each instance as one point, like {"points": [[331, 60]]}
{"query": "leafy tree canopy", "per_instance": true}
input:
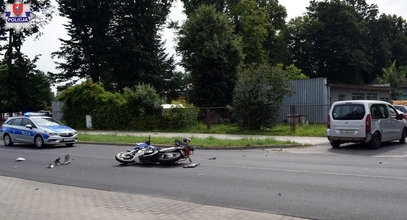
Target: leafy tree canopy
{"points": [[330, 41], [212, 53], [259, 91], [23, 86], [115, 42], [395, 77]]}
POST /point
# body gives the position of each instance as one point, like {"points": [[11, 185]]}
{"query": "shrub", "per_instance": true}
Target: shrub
{"points": [[258, 92], [136, 108], [185, 116]]}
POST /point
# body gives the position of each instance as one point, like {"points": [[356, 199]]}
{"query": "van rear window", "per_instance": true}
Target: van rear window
{"points": [[348, 112]]}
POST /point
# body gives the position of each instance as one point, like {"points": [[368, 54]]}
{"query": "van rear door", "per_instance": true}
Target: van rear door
{"points": [[347, 120]]}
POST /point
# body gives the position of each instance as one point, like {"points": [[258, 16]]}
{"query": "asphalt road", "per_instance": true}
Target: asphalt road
{"points": [[316, 182]]}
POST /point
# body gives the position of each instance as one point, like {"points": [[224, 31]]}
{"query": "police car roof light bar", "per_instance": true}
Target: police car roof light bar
{"points": [[28, 114]]}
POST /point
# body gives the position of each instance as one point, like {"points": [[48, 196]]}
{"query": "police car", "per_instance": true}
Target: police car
{"points": [[38, 129]]}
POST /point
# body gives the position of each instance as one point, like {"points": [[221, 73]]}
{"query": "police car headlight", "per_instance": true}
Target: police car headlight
{"points": [[50, 133]]}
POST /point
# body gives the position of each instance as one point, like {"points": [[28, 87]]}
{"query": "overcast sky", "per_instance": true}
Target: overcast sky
{"points": [[49, 42]]}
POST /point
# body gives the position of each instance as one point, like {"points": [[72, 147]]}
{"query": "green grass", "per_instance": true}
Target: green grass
{"points": [[317, 130], [201, 142]]}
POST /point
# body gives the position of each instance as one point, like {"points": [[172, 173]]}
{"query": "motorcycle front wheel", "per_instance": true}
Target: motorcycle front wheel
{"points": [[169, 158], [125, 157]]}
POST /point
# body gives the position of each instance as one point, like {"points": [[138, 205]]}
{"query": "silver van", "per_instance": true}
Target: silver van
{"points": [[365, 121]]}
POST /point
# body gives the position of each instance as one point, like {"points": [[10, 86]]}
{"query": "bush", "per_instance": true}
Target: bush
{"points": [[176, 118], [138, 108], [81, 100], [258, 92]]}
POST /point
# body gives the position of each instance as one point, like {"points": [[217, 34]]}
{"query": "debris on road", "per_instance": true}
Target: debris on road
{"points": [[212, 158], [57, 162], [67, 160], [192, 165], [18, 159]]}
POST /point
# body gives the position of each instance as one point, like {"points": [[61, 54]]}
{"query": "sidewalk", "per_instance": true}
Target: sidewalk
{"points": [[24, 199], [299, 140]]}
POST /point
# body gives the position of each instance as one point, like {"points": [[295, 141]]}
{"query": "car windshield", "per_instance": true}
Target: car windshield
{"points": [[348, 112], [46, 122]]}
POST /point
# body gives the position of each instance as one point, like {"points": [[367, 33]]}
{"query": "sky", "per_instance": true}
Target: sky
{"points": [[49, 42]]}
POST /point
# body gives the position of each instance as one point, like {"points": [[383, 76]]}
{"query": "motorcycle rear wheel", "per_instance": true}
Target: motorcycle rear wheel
{"points": [[169, 158], [125, 157]]}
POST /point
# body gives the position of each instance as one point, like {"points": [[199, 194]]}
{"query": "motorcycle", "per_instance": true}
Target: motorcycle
{"points": [[146, 153]]}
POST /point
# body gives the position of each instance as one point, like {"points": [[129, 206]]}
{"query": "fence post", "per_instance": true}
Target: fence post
{"points": [[293, 121], [208, 118]]}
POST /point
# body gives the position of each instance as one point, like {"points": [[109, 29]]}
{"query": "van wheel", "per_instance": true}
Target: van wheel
{"points": [[375, 141], [403, 136], [335, 144]]}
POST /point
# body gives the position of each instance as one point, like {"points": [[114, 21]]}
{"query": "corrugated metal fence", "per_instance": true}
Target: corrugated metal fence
{"points": [[297, 114]]}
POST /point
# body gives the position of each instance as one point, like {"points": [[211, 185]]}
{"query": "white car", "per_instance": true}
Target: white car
{"points": [[365, 121]]}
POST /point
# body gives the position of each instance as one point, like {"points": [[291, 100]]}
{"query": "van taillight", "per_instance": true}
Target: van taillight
{"points": [[368, 123], [328, 122]]}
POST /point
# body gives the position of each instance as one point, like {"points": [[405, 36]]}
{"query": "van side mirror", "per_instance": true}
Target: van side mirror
{"points": [[399, 117]]}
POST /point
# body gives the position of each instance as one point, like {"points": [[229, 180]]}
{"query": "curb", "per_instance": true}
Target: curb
{"points": [[206, 148]]}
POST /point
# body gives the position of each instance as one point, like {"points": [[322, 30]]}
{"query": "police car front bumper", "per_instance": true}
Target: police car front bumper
{"points": [[62, 140]]}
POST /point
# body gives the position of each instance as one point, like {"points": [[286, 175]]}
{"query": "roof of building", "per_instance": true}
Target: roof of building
{"points": [[378, 87]]}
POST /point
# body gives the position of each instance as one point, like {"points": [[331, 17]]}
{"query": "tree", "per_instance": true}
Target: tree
{"points": [[332, 41], [212, 54], [259, 91], [388, 42], [24, 87], [115, 42], [276, 41], [260, 24], [251, 23], [394, 77], [191, 5]]}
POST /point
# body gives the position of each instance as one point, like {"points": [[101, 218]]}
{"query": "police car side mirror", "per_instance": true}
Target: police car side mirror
{"points": [[29, 126]]}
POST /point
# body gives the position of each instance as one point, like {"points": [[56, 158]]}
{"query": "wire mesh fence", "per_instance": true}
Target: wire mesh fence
{"points": [[289, 114]]}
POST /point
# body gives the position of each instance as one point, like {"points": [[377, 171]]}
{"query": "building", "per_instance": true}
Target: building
{"points": [[312, 98]]}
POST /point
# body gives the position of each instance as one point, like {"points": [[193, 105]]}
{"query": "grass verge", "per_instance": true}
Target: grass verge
{"points": [[210, 142], [314, 130]]}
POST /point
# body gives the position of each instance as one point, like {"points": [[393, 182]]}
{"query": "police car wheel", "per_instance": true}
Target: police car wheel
{"points": [[7, 140], [39, 142]]}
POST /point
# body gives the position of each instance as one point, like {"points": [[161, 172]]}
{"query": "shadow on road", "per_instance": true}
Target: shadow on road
{"points": [[361, 149], [177, 165], [31, 146]]}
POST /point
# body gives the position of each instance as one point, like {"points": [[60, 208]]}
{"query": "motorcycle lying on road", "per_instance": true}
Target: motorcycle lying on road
{"points": [[149, 154]]}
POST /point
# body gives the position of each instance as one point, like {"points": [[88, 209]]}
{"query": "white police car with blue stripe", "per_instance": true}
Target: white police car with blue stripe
{"points": [[35, 128]]}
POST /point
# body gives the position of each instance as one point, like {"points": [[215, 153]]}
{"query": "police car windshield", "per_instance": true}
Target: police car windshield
{"points": [[46, 122]]}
